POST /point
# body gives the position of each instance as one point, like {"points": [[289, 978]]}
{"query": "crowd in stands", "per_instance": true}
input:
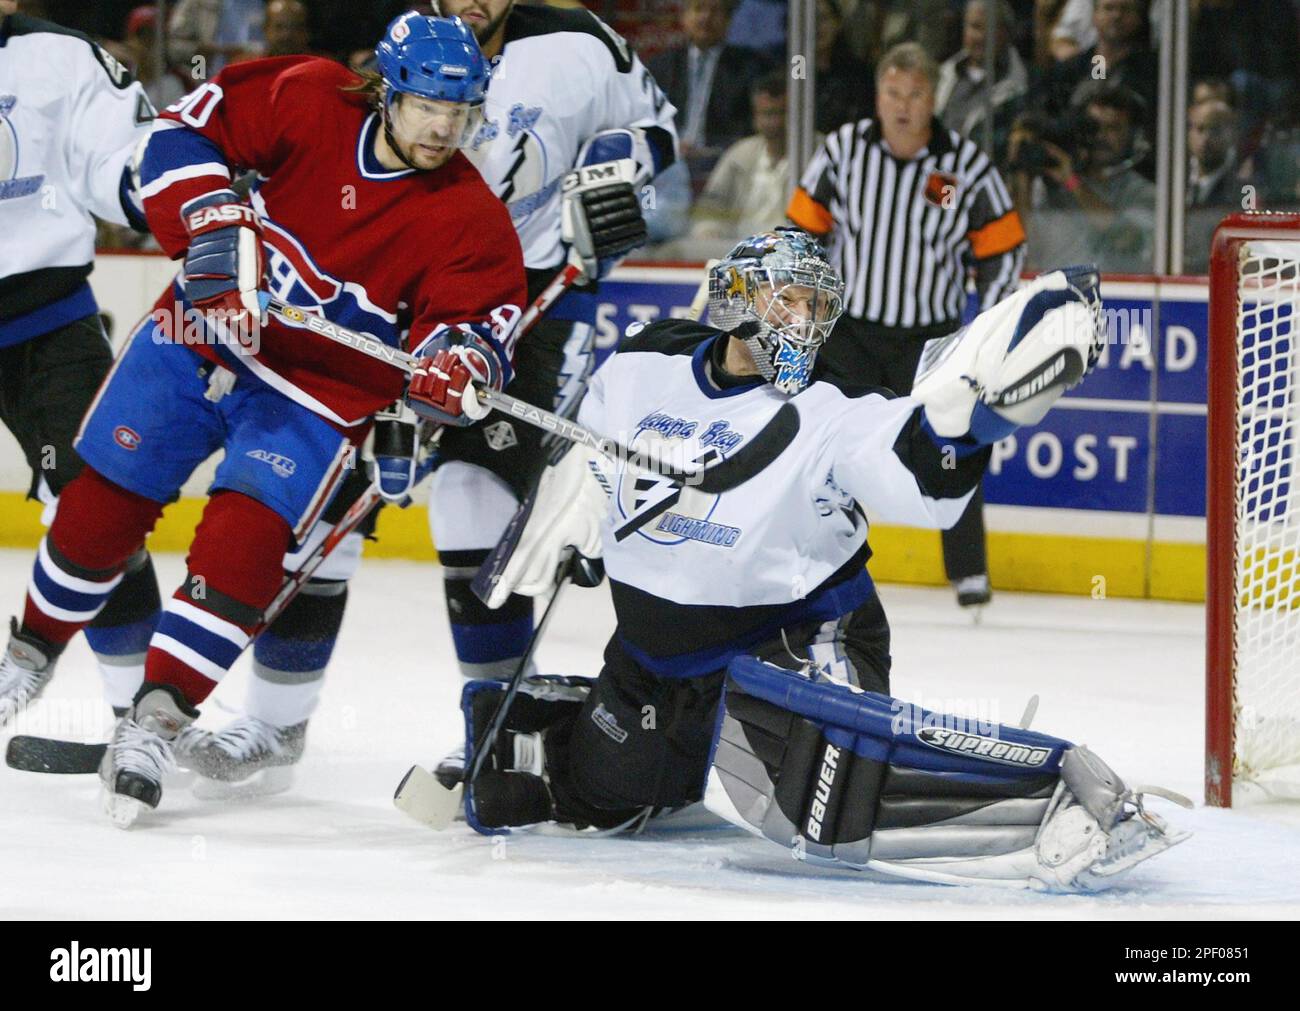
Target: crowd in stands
{"points": [[1069, 112]]}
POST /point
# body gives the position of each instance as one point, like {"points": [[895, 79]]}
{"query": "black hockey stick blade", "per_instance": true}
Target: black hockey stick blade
{"points": [[45, 754]]}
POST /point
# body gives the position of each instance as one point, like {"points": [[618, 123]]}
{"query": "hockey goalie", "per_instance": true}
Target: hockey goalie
{"points": [[750, 664]]}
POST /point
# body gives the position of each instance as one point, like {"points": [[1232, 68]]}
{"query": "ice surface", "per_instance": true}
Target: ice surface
{"points": [[1124, 677]]}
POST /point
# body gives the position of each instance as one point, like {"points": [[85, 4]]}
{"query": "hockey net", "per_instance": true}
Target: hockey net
{"points": [[1253, 523]]}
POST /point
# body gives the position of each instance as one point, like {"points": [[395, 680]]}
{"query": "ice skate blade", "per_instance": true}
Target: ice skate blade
{"points": [[263, 783], [122, 811]]}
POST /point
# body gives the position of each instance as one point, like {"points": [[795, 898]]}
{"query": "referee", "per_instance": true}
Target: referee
{"points": [[910, 210]]}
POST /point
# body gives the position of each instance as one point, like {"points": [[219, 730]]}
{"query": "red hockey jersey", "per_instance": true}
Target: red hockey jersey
{"points": [[390, 253]]}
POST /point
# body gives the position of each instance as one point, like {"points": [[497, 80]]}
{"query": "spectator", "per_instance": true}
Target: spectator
{"points": [[163, 84], [963, 96], [218, 31], [1093, 207], [1122, 55], [759, 24], [1072, 31], [913, 212], [1206, 88], [873, 27], [285, 28], [844, 86], [708, 82], [1215, 177], [747, 191]]}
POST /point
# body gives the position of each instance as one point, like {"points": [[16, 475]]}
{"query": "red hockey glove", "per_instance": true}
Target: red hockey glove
{"points": [[442, 387]]}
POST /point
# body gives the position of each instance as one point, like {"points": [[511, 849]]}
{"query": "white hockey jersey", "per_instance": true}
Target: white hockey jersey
{"points": [[562, 76], [70, 117], [697, 578]]}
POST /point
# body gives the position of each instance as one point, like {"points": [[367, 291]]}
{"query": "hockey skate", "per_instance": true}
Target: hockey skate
{"points": [[248, 758], [25, 669], [141, 753], [973, 593]]}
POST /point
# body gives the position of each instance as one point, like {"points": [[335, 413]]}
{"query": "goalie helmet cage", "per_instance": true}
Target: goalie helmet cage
{"points": [[1252, 725]]}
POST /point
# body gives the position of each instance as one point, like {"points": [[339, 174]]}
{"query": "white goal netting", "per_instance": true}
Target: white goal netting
{"points": [[1266, 626]]}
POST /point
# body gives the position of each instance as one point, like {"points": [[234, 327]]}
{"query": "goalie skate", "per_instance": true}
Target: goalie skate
{"points": [[248, 758]]}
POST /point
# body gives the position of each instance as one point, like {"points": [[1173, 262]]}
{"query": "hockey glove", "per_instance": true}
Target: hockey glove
{"points": [[395, 449], [601, 213], [565, 511], [442, 386], [1015, 360], [225, 260]]}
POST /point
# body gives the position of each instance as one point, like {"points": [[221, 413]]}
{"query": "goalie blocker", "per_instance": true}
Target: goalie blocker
{"points": [[845, 778]]}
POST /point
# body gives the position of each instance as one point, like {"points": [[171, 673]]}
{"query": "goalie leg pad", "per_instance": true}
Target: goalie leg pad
{"points": [[506, 793], [860, 780]]}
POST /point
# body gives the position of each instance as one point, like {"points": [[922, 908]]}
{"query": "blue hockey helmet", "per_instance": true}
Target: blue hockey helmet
{"points": [[435, 58], [777, 292]]}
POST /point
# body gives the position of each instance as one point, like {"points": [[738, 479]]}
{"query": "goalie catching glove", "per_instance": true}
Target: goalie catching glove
{"points": [[601, 216], [1015, 360]]}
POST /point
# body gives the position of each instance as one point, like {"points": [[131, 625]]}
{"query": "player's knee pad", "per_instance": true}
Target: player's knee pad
{"points": [[236, 551], [861, 780], [513, 788], [99, 525], [469, 507]]}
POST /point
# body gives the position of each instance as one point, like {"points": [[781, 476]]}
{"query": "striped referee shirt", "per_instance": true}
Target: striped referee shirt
{"points": [[905, 234]]}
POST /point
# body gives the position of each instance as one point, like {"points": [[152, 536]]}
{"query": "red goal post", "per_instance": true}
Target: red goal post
{"points": [[1252, 726]]}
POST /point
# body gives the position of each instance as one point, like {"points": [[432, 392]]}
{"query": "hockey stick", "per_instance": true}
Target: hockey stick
{"points": [[419, 794], [715, 479], [30, 753]]}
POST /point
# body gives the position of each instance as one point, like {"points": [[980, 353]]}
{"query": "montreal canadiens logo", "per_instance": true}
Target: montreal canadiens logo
{"points": [[127, 438]]}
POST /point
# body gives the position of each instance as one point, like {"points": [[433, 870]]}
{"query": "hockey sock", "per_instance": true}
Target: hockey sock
{"points": [[489, 644], [234, 573], [79, 564], [290, 657], [119, 635]]}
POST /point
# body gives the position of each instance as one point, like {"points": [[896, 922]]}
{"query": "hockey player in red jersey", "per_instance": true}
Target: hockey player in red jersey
{"points": [[364, 211]]}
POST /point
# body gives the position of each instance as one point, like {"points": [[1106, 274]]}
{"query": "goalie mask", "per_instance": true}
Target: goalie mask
{"points": [[776, 292]]}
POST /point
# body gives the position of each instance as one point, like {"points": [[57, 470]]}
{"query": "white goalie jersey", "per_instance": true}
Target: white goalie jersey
{"points": [[562, 76], [788, 545]]}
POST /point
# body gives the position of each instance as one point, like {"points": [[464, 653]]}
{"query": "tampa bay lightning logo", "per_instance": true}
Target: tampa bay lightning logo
{"points": [[793, 368], [522, 119], [660, 510], [488, 131], [13, 186]]}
